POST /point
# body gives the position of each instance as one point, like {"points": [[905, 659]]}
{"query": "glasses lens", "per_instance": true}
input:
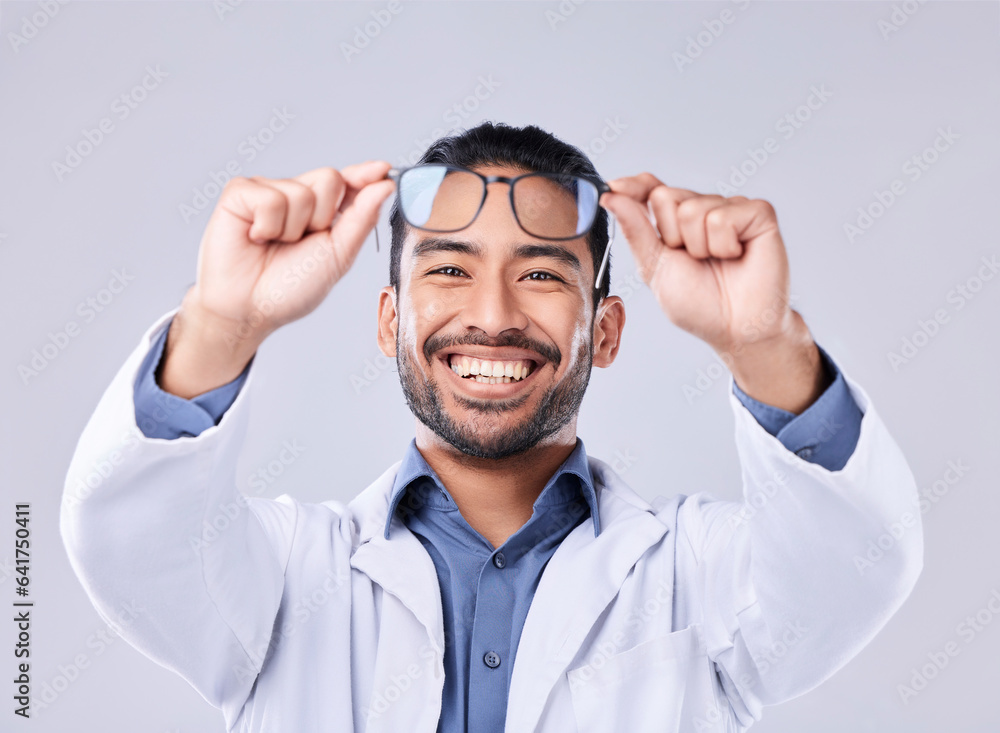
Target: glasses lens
{"points": [[552, 206], [439, 198]]}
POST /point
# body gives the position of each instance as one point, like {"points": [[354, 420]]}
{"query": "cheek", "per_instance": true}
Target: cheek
{"points": [[419, 321], [426, 310], [580, 339], [408, 332], [573, 340]]}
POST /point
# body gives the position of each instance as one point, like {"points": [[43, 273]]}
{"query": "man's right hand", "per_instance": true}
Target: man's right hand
{"points": [[272, 251]]}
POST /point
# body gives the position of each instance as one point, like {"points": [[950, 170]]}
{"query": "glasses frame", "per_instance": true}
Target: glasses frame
{"points": [[395, 174]]}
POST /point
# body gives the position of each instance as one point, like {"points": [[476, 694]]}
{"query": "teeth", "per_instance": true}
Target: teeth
{"points": [[486, 371]]}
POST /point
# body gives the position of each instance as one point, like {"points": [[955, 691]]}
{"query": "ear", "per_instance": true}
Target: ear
{"points": [[608, 324], [388, 320]]}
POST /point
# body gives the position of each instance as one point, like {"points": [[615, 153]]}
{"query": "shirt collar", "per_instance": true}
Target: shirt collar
{"points": [[414, 467]]}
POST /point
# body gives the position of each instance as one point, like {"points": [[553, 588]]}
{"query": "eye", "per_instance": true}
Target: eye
{"points": [[543, 276], [448, 270]]}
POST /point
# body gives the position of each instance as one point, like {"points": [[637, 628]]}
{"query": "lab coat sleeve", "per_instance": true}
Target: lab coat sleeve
{"points": [[794, 581], [171, 554], [160, 414]]}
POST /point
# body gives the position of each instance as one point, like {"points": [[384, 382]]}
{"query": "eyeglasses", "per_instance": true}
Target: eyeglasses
{"points": [[446, 198]]}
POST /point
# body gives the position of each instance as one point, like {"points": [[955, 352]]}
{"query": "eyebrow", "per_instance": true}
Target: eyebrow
{"points": [[432, 245]]}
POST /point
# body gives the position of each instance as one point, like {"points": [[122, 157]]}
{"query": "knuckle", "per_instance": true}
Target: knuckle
{"points": [[273, 199], [303, 193], [330, 179], [328, 175], [687, 209], [661, 195], [716, 218], [764, 207]]}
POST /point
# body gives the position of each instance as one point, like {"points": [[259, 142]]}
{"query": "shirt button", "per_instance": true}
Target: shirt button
{"points": [[499, 560], [492, 660], [804, 453]]}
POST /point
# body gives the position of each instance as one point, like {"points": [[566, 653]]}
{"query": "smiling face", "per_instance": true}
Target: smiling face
{"points": [[494, 330]]}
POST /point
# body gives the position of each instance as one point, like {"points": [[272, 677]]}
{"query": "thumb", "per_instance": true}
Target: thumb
{"points": [[355, 222], [648, 249]]}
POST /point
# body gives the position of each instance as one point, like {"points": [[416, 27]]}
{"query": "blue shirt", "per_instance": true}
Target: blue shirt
{"points": [[486, 591]]}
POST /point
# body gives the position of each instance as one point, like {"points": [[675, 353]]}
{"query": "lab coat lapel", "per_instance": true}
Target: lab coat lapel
{"points": [[400, 565], [403, 568], [580, 580]]}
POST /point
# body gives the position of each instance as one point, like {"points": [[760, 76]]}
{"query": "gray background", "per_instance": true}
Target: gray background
{"points": [[62, 241]]}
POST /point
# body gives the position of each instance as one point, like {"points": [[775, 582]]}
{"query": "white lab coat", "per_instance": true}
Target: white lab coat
{"points": [[687, 615]]}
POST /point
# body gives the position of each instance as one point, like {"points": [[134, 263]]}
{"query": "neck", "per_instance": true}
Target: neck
{"points": [[496, 497]]}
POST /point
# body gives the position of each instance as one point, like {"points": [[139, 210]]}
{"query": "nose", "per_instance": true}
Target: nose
{"points": [[492, 306]]}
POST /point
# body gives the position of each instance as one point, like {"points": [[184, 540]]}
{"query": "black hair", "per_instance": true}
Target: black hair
{"points": [[530, 149]]}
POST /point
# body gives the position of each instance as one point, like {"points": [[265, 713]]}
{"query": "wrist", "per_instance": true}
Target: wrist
{"points": [[784, 370], [203, 350]]}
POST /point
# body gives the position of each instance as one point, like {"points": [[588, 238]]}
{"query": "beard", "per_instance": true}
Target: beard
{"points": [[557, 407]]}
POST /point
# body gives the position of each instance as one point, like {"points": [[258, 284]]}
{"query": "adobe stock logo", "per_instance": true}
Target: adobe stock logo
{"points": [[959, 297], [697, 44], [788, 125], [32, 25], [121, 107], [941, 657], [899, 17], [363, 35], [612, 129], [914, 168], [202, 197], [88, 310]]}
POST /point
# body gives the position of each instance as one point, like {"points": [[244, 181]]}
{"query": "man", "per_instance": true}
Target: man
{"points": [[496, 578]]}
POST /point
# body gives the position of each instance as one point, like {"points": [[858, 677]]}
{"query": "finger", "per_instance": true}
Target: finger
{"points": [[755, 223], [663, 200], [691, 213], [359, 217], [329, 186], [647, 248], [721, 231], [299, 209], [261, 208], [641, 187], [636, 187], [361, 175]]}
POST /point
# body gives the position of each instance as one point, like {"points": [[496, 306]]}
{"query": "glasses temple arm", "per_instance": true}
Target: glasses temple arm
{"points": [[607, 251]]}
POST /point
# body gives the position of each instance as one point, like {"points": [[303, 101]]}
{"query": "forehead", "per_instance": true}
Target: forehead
{"points": [[497, 169]]}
